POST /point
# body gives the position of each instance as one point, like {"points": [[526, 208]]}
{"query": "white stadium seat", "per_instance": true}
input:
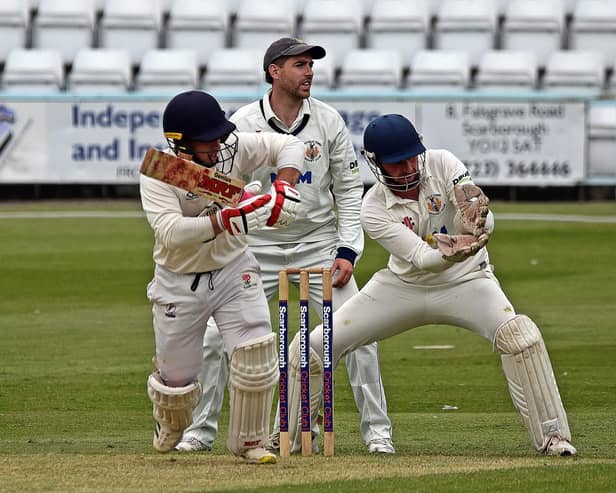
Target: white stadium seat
{"points": [[443, 70], [199, 25], [579, 71], [468, 25], [259, 23], [335, 24], [593, 27], [64, 25], [35, 70], [131, 25], [507, 70], [399, 25], [167, 70], [13, 26], [371, 69], [535, 26], [602, 140], [324, 75], [234, 69], [101, 71]]}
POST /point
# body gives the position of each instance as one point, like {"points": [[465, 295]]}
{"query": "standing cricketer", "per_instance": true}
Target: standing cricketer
{"points": [[323, 234], [426, 211], [203, 269]]}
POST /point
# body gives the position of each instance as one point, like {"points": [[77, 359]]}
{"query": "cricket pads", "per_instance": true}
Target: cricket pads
{"points": [[531, 381], [253, 375], [172, 410]]}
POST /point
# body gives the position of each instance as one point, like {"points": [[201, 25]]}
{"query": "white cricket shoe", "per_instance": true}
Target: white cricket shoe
{"points": [[192, 444], [259, 456], [381, 446], [559, 446]]}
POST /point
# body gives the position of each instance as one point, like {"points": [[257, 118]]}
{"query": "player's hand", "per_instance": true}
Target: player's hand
{"points": [[342, 271], [250, 215], [457, 248], [473, 207], [285, 203]]}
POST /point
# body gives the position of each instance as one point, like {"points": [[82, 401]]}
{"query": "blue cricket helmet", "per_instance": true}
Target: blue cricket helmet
{"points": [[392, 138]]}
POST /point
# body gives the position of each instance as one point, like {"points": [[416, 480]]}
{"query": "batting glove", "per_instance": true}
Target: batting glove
{"points": [[251, 189], [285, 203], [457, 248], [250, 215]]}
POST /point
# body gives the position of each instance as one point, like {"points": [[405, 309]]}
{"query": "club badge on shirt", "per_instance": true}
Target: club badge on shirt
{"points": [[434, 203]]}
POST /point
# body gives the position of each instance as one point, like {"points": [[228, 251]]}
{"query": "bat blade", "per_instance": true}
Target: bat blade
{"points": [[189, 176]]}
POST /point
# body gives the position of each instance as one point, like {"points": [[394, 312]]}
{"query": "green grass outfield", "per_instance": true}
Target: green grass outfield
{"points": [[76, 343]]}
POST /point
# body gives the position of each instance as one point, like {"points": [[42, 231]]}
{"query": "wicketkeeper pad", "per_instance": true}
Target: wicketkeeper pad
{"points": [[253, 375], [316, 392], [172, 409], [531, 381]]}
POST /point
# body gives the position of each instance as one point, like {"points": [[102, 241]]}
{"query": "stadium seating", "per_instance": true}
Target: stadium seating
{"points": [[371, 69], [101, 71], [14, 24], [167, 70], [582, 72], [333, 23], [199, 25], [438, 70], [324, 75], [593, 27], [64, 25], [602, 140], [259, 23], [33, 70], [398, 25], [534, 26], [504, 70], [234, 69], [468, 25], [130, 25]]}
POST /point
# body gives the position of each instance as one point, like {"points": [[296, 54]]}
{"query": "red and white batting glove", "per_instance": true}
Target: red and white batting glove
{"points": [[285, 203], [250, 215]]}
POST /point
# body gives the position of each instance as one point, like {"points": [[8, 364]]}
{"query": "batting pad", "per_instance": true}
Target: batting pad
{"points": [[253, 375], [531, 381], [172, 410], [316, 392]]}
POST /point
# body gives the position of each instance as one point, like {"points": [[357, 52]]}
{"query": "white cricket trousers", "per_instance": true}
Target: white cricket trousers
{"points": [[387, 306], [183, 303]]}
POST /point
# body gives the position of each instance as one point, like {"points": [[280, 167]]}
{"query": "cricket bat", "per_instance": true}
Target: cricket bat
{"points": [[189, 176]]}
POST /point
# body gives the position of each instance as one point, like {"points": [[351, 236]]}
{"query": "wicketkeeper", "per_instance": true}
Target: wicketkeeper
{"points": [[426, 211], [204, 269]]}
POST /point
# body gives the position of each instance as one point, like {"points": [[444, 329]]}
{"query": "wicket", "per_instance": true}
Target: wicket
{"points": [[304, 343]]}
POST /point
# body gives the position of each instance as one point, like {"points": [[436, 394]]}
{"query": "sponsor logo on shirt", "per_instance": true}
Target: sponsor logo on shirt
{"points": [[463, 177], [409, 223]]}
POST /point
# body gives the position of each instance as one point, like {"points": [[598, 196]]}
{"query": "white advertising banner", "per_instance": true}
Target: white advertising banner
{"points": [[102, 141], [534, 143]]}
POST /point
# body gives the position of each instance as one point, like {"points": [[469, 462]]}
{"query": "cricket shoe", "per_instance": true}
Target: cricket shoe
{"points": [[258, 455], [381, 446], [192, 444], [559, 446]]}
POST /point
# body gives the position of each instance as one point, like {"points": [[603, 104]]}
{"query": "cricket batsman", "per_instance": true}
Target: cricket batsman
{"points": [[204, 269]]}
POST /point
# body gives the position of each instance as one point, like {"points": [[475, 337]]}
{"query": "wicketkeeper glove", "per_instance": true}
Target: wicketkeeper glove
{"points": [[457, 248], [473, 207], [285, 203], [250, 215]]}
